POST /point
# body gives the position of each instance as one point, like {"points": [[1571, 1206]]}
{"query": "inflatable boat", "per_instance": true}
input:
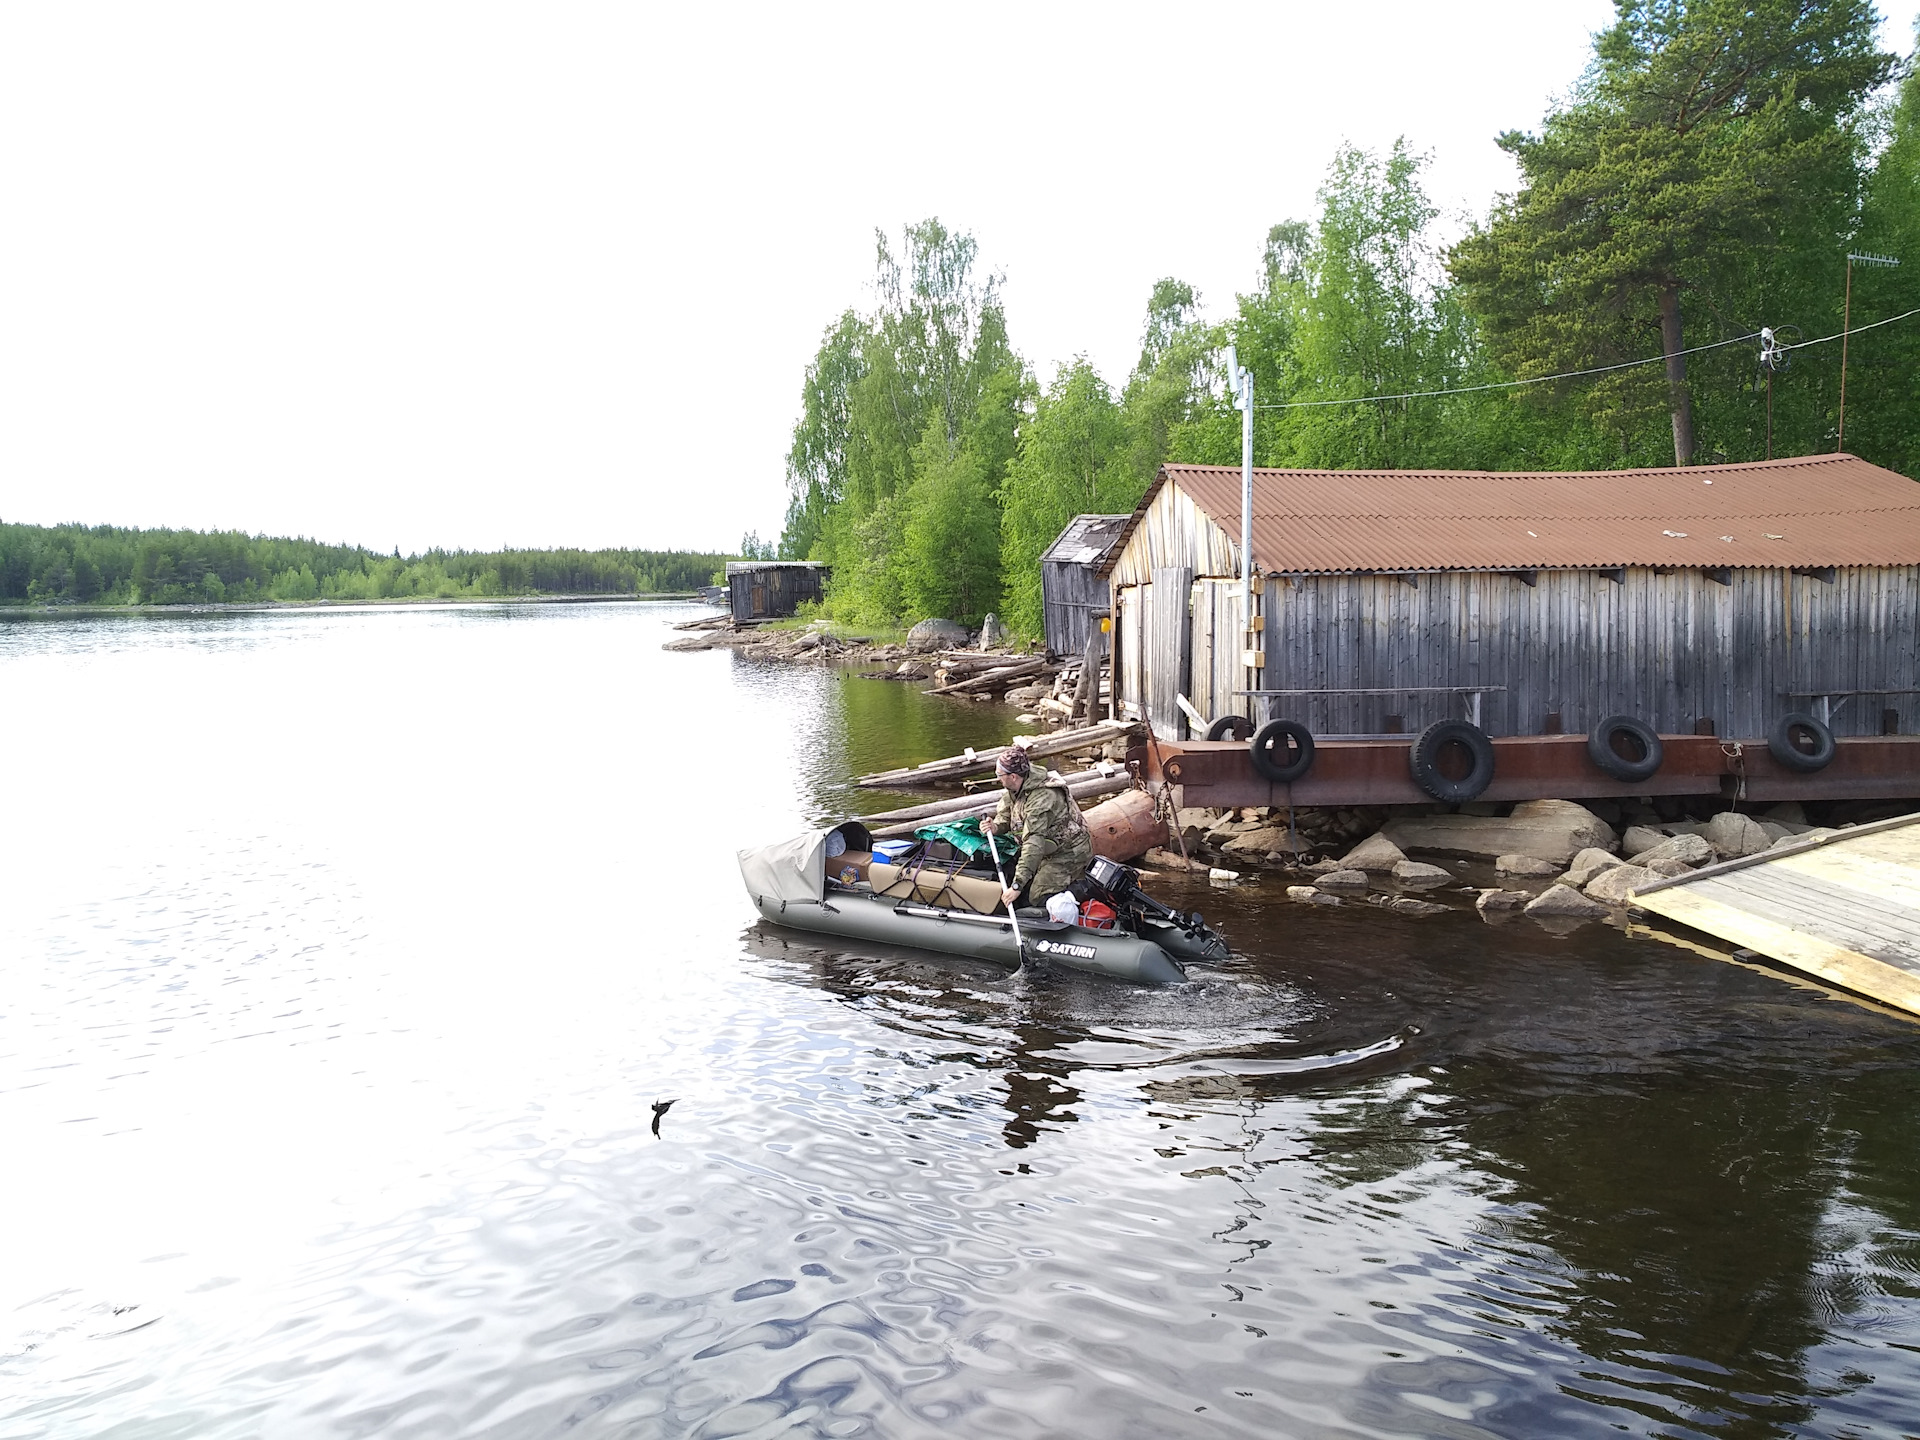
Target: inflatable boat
{"points": [[834, 883]]}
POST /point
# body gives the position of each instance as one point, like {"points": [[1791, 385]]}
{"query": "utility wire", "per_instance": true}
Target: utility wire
{"points": [[1569, 374], [1512, 384], [1855, 330]]}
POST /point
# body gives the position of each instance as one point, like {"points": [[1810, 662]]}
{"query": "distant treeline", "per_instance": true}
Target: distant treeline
{"points": [[109, 565]]}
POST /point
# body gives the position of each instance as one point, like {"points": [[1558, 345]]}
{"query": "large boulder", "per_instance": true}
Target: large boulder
{"points": [[1415, 876], [1352, 882], [1500, 902], [938, 635], [992, 632], [1374, 853], [1732, 835], [1587, 864], [1616, 885], [1640, 838], [1552, 830], [1227, 831], [1563, 902], [1687, 849], [1264, 840], [1525, 867]]}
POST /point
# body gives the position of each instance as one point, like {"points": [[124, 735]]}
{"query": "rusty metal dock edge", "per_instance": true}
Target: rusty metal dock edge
{"points": [[1220, 774]]}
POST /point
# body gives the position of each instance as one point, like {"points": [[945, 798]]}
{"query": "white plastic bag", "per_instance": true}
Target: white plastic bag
{"points": [[1063, 908]]}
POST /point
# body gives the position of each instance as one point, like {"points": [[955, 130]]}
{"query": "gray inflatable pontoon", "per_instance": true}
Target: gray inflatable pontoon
{"points": [[865, 898]]}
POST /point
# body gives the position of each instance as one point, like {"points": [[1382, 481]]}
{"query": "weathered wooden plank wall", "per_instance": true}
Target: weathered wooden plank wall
{"points": [[768, 592], [1668, 646], [1131, 603], [1175, 532], [1069, 592], [1216, 671], [1169, 634]]}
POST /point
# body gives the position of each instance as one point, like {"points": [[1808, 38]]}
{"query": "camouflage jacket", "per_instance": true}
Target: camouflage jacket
{"points": [[1046, 821]]}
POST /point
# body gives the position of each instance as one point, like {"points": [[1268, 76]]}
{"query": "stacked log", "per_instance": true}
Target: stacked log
{"points": [[981, 762], [997, 677], [893, 824]]}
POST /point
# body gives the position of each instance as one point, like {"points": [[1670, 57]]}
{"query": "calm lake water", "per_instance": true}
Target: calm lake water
{"points": [[343, 953]]}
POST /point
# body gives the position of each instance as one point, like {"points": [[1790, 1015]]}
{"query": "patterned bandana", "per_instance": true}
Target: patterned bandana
{"points": [[1014, 762]]}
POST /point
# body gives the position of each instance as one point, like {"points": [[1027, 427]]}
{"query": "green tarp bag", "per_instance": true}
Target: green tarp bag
{"points": [[964, 836]]}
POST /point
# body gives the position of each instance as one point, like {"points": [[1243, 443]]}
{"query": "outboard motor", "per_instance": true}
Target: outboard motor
{"points": [[1119, 886]]}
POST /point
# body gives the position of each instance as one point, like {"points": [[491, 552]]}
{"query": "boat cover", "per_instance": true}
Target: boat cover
{"points": [[794, 870]]}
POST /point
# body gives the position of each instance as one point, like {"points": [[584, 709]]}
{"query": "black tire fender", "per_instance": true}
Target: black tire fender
{"points": [[1271, 744], [1600, 748], [1424, 753], [1230, 727], [1780, 742]]}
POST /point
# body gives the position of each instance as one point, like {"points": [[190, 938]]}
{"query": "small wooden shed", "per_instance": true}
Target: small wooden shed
{"points": [[1722, 596], [769, 589], [1071, 585]]}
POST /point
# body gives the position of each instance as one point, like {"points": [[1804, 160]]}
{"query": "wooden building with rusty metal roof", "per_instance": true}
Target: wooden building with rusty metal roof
{"points": [[1071, 589], [1710, 599]]}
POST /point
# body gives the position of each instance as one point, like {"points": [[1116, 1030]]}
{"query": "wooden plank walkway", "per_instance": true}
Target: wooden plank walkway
{"points": [[1843, 906]]}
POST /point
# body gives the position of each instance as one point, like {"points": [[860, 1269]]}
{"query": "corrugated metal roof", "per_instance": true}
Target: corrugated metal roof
{"points": [[741, 567], [1815, 510], [1088, 539]]}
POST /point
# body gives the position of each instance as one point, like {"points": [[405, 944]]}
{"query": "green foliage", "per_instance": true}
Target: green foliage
{"points": [[105, 564], [1705, 176], [908, 419], [1883, 366], [1073, 459]]}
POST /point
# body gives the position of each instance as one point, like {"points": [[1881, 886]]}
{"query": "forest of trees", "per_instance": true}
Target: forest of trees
{"points": [[1705, 177], [108, 565]]}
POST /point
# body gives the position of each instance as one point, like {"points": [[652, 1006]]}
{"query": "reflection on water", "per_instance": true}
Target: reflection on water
{"points": [[346, 954]]}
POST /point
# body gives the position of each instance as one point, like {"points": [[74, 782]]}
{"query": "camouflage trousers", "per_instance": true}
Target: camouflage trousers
{"points": [[1059, 870]]}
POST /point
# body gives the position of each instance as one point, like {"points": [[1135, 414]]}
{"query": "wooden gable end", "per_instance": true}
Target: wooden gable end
{"points": [[1175, 531]]}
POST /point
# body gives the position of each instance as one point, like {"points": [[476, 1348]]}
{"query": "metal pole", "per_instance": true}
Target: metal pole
{"points": [[1246, 501], [1846, 324]]}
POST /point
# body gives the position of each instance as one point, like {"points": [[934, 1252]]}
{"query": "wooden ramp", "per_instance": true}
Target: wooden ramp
{"points": [[1843, 906]]}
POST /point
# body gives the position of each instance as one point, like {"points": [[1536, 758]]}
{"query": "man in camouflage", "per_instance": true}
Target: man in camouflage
{"points": [[1055, 845]]}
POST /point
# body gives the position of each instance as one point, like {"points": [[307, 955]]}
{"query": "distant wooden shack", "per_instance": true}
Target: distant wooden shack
{"points": [[770, 589], [1721, 596], [1071, 586]]}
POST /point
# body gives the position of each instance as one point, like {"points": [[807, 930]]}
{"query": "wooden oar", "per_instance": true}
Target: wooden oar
{"points": [[1000, 869]]}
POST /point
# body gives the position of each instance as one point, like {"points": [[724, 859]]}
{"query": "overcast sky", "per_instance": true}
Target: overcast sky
{"points": [[477, 275]]}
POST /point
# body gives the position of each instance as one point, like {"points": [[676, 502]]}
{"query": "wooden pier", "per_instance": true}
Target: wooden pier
{"points": [[1843, 906]]}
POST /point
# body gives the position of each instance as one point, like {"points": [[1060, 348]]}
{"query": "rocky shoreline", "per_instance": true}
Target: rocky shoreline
{"points": [[1043, 689], [1557, 861]]}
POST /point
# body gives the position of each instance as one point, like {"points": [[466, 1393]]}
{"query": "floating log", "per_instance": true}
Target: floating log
{"points": [[981, 762], [1085, 786]]}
